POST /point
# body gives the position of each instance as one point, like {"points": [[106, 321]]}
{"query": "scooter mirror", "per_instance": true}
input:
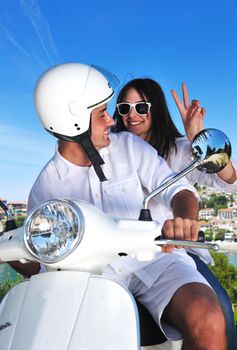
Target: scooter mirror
{"points": [[10, 223], [212, 148]]}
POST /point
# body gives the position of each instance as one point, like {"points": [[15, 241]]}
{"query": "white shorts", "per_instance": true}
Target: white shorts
{"points": [[157, 297]]}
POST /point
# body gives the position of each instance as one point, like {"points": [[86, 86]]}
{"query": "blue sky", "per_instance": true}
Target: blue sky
{"points": [[170, 41]]}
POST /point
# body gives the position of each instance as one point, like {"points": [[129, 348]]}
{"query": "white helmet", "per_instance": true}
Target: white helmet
{"points": [[64, 98], [66, 94]]}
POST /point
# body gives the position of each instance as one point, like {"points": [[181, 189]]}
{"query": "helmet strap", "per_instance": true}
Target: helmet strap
{"points": [[92, 153]]}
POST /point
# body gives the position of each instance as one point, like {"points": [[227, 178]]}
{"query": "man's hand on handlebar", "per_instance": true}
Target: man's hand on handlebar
{"points": [[179, 229]]}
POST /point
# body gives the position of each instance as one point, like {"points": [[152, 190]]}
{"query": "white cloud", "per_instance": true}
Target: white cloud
{"points": [[42, 29], [17, 45], [25, 48]]}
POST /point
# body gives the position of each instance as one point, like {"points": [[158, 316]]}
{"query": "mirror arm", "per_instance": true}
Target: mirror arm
{"points": [[169, 182], [7, 211]]}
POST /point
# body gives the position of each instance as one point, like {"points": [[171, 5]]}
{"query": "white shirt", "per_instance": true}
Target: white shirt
{"points": [[133, 169]]}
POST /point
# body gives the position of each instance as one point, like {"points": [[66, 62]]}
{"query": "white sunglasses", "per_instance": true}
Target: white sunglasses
{"points": [[142, 108]]}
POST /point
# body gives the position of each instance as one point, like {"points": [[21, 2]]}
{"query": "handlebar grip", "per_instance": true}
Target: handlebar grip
{"points": [[201, 236]]}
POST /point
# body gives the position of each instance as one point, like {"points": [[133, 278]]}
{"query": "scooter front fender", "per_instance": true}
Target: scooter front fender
{"points": [[69, 310]]}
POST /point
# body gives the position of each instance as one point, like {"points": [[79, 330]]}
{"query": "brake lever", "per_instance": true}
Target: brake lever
{"points": [[200, 243]]}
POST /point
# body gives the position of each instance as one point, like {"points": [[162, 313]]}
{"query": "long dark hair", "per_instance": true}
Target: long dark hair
{"points": [[163, 131]]}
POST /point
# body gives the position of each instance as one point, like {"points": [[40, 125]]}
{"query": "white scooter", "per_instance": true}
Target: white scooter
{"points": [[72, 306]]}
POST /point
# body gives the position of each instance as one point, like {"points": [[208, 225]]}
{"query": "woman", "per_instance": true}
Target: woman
{"points": [[142, 110]]}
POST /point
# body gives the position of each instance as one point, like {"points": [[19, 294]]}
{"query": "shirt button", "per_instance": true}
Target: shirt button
{"points": [[123, 189], [96, 195]]}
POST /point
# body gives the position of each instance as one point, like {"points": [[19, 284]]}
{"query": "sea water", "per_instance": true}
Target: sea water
{"points": [[232, 258], [7, 273]]}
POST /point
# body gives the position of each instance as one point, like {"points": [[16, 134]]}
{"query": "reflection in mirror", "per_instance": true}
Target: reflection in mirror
{"points": [[7, 222], [212, 147], [3, 217]]}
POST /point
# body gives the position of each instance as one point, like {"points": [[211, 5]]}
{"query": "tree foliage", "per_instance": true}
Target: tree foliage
{"points": [[9, 283], [4, 287], [215, 201], [227, 275], [220, 234], [20, 220]]}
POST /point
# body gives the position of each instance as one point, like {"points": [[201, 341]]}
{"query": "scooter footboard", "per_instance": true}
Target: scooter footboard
{"points": [[68, 310]]}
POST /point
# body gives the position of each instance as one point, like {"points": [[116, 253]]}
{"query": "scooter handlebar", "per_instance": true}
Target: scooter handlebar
{"points": [[200, 243]]}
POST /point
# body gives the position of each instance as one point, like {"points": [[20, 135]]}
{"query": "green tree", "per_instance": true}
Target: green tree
{"points": [[231, 199], [214, 201], [220, 234], [20, 221], [227, 275], [209, 234], [5, 286], [217, 201]]}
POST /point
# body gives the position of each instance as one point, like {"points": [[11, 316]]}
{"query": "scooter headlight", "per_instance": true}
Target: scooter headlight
{"points": [[53, 230]]}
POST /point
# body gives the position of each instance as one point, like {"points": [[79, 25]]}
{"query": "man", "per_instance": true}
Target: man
{"points": [[114, 172]]}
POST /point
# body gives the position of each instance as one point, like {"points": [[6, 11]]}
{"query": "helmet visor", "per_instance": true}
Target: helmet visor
{"points": [[112, 79]]}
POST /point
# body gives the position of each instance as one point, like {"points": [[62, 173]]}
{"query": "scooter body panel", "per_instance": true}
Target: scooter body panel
{"points": [[69, 310]]}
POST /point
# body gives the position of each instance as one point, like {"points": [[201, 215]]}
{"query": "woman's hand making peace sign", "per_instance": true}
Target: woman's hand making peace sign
{"points": [[192, 114]]}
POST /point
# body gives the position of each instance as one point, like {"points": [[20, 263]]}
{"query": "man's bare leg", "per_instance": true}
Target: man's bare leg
{"points": [[195, 311]]}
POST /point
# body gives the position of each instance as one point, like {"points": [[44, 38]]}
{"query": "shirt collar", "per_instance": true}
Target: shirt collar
{"points": [[63, 166]]}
